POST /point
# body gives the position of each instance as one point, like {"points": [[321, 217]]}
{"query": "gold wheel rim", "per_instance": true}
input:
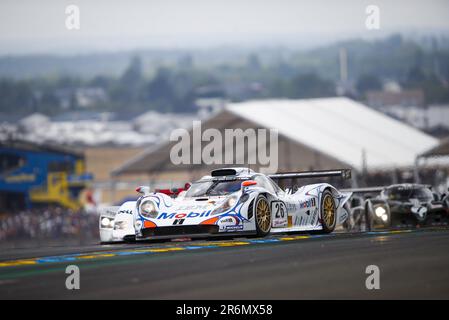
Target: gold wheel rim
{"points": [[263, 215], [328, 210]]}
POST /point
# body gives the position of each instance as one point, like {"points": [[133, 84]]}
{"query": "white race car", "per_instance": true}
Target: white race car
{"points": [[230, 201], [116, 223]]}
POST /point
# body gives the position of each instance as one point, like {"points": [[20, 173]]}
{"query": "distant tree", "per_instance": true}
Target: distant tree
{"points": [[310, 86], [278, 88], [16, 97], [128, 88], [368, 82], [48, 103], [101, 81], [394, 40], [160, 87], [67, 82], [415, 77], [159, 91], [133, 74], [435, 90], [185, 62], [253, 62]]}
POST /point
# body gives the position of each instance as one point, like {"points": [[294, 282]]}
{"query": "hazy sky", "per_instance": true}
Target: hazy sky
{"points": [[29, 26]]}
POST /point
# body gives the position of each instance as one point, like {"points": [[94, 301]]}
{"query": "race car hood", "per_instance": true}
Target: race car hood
{"points": [[187, 211]]}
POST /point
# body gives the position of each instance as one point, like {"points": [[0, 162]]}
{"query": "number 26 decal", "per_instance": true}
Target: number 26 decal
{"points": [[279, 209]]}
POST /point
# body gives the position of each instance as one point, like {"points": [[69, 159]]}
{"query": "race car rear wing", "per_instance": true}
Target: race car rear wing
{"points": [[364, 190], [342, 173], [376, 189]]}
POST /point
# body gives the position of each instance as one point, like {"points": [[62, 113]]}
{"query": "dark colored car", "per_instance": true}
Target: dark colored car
{"points": [[399, 205]]}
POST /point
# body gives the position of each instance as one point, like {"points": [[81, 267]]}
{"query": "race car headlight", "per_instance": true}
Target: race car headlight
{"points": [[232, 201], [380, 211], [120, 225], [228, 204], [244, 197], [148, 209], [107, 222]]}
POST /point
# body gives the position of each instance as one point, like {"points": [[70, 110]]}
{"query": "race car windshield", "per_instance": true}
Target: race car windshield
{"points": [[198, 189], [214, 188], [412, 193]]}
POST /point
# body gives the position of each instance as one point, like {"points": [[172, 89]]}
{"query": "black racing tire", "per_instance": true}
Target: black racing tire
{"points": [[445, 201], [129, 239], [348, 225], [328, 212], [369, 216], [262, 216]]}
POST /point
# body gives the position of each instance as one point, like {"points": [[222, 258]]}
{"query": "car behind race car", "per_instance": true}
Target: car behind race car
{"points": [[116, 222], [231, 201], [399, 205]]}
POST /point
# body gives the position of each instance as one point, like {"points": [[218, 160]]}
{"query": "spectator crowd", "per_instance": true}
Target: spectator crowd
{"points": [[48, 223]]}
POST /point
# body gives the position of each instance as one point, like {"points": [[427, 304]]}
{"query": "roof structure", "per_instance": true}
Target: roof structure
{"points": [[344, 131], [25, 145], [341, 128], [441, 150]]}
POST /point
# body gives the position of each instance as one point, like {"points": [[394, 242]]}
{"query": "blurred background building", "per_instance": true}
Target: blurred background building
{"points": [[38, 175], [314, 134]]}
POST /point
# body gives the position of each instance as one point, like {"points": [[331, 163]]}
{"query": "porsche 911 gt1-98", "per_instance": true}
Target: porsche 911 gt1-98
{"points": [[231, 201]]}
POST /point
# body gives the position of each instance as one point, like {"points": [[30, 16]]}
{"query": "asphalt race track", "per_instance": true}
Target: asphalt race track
{"points": [[414, 264]]}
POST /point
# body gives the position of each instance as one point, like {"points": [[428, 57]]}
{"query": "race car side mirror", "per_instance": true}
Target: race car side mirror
{"points": [[143, 190], [248, 183]]}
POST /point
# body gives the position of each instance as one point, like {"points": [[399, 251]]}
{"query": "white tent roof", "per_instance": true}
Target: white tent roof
{"points": [[341, 128]]}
